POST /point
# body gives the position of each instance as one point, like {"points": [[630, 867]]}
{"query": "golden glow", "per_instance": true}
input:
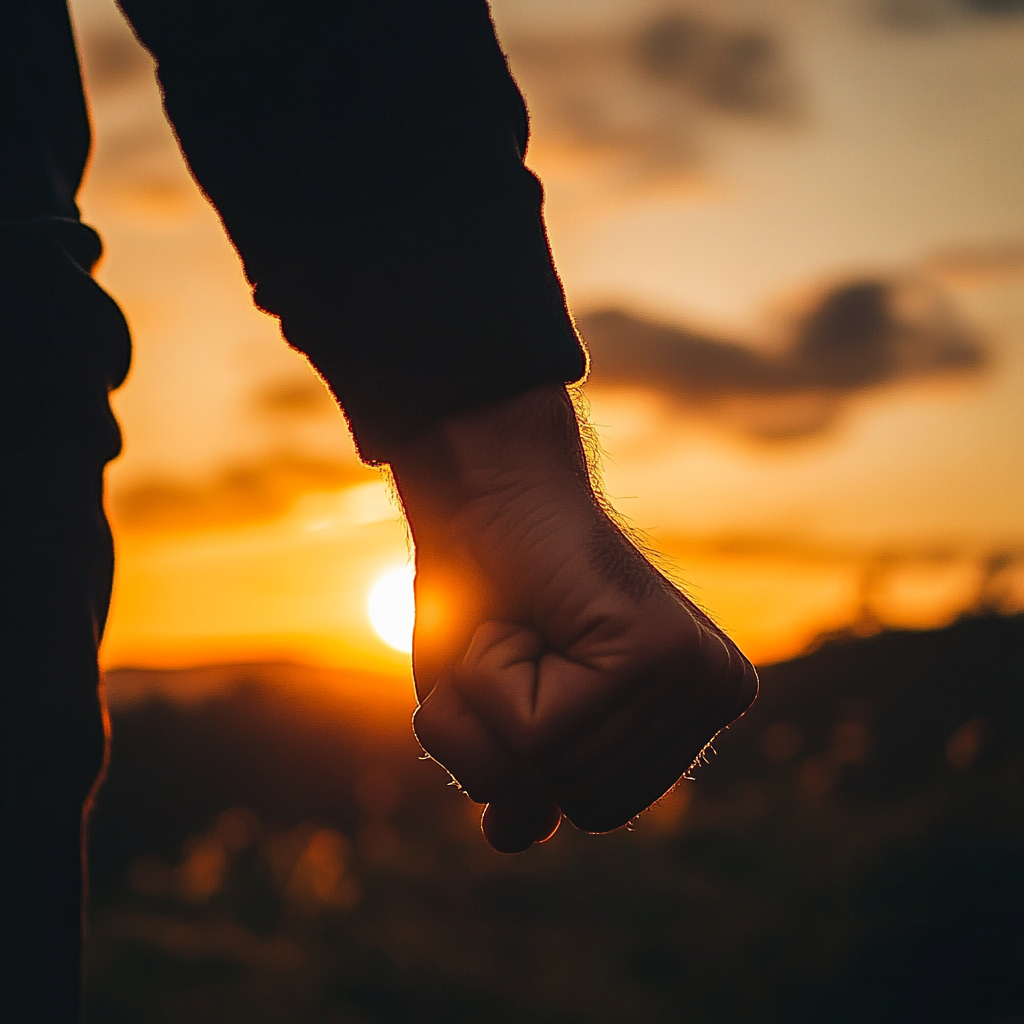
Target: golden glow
{"points": [[288, 589], [392, 608], [247, 531]]}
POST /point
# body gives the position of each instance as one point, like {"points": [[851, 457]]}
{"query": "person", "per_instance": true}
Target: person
{"points": [[367, 162]]}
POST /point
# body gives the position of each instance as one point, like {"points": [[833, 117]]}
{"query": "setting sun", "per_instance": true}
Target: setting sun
{"points": [[392, 608]]}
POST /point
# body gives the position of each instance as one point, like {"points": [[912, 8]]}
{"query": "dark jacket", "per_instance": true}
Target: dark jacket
{"points": [[367, 162]]}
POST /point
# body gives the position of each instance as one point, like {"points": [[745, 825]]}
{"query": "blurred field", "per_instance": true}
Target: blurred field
{"points": [[273, 850]]}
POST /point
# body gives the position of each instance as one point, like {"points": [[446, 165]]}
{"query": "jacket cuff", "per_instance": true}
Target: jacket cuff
{"points": [[456, 308]]}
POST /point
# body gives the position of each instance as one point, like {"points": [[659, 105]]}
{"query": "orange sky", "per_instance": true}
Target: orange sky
{"points": [[247, 530]]}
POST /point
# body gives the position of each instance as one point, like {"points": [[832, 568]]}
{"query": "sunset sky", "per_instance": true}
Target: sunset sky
{"points": [[714, 169]]}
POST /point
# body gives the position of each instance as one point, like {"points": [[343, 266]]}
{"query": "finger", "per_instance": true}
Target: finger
{"points": [[673, 699], [654, 759], [453, 735], [608, 807], [519, 820], [629, 784], [528, 697], [521, 813]]}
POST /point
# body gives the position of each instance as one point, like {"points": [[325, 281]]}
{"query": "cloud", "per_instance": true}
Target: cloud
{"points": [[240, 492], [136, 167], [990, 7], [646, 92], [733, 70], [308, 449], [925, 14], [982, 265], [113, 59], [296, 398], [862, 334]]}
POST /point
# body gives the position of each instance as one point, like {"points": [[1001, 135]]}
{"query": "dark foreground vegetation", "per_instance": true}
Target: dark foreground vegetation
{"points": [[854, 853]]}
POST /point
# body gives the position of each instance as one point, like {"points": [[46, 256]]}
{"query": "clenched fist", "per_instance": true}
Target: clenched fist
{"points": [[558, 672]]}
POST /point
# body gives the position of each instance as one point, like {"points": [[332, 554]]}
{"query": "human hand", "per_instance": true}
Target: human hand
{"points": [[559, 673]]}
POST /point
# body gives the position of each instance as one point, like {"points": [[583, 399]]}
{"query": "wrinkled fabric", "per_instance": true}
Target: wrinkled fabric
{"points": [[367, 162]]}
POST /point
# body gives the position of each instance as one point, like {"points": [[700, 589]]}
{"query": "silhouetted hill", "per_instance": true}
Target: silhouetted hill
{"points": [[895, 700], [278, 852]]}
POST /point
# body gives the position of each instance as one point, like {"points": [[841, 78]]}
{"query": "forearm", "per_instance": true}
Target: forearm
{"points": [[367, 162]]}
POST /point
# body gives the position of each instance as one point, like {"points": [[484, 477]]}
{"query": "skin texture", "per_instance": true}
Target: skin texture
{"points": [[558, 672]]}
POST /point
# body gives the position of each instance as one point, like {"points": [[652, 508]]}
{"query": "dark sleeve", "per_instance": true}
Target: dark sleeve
{"points": [[367, 162]]}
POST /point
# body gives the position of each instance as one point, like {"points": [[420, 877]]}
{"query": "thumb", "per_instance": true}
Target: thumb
{"points": [[522, 817]]}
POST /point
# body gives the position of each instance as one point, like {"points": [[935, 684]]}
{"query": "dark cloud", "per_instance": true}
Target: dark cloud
{"points": [[647, 92], [733, 70], [136, 165], [112, 58], [303, 397], [993, 6], [244, 491], [861, 335], [987, 7], [979, 264], [923, 14]]}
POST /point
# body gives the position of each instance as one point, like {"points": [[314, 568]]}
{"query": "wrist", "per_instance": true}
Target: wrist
{"points": [[497, 449]]}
